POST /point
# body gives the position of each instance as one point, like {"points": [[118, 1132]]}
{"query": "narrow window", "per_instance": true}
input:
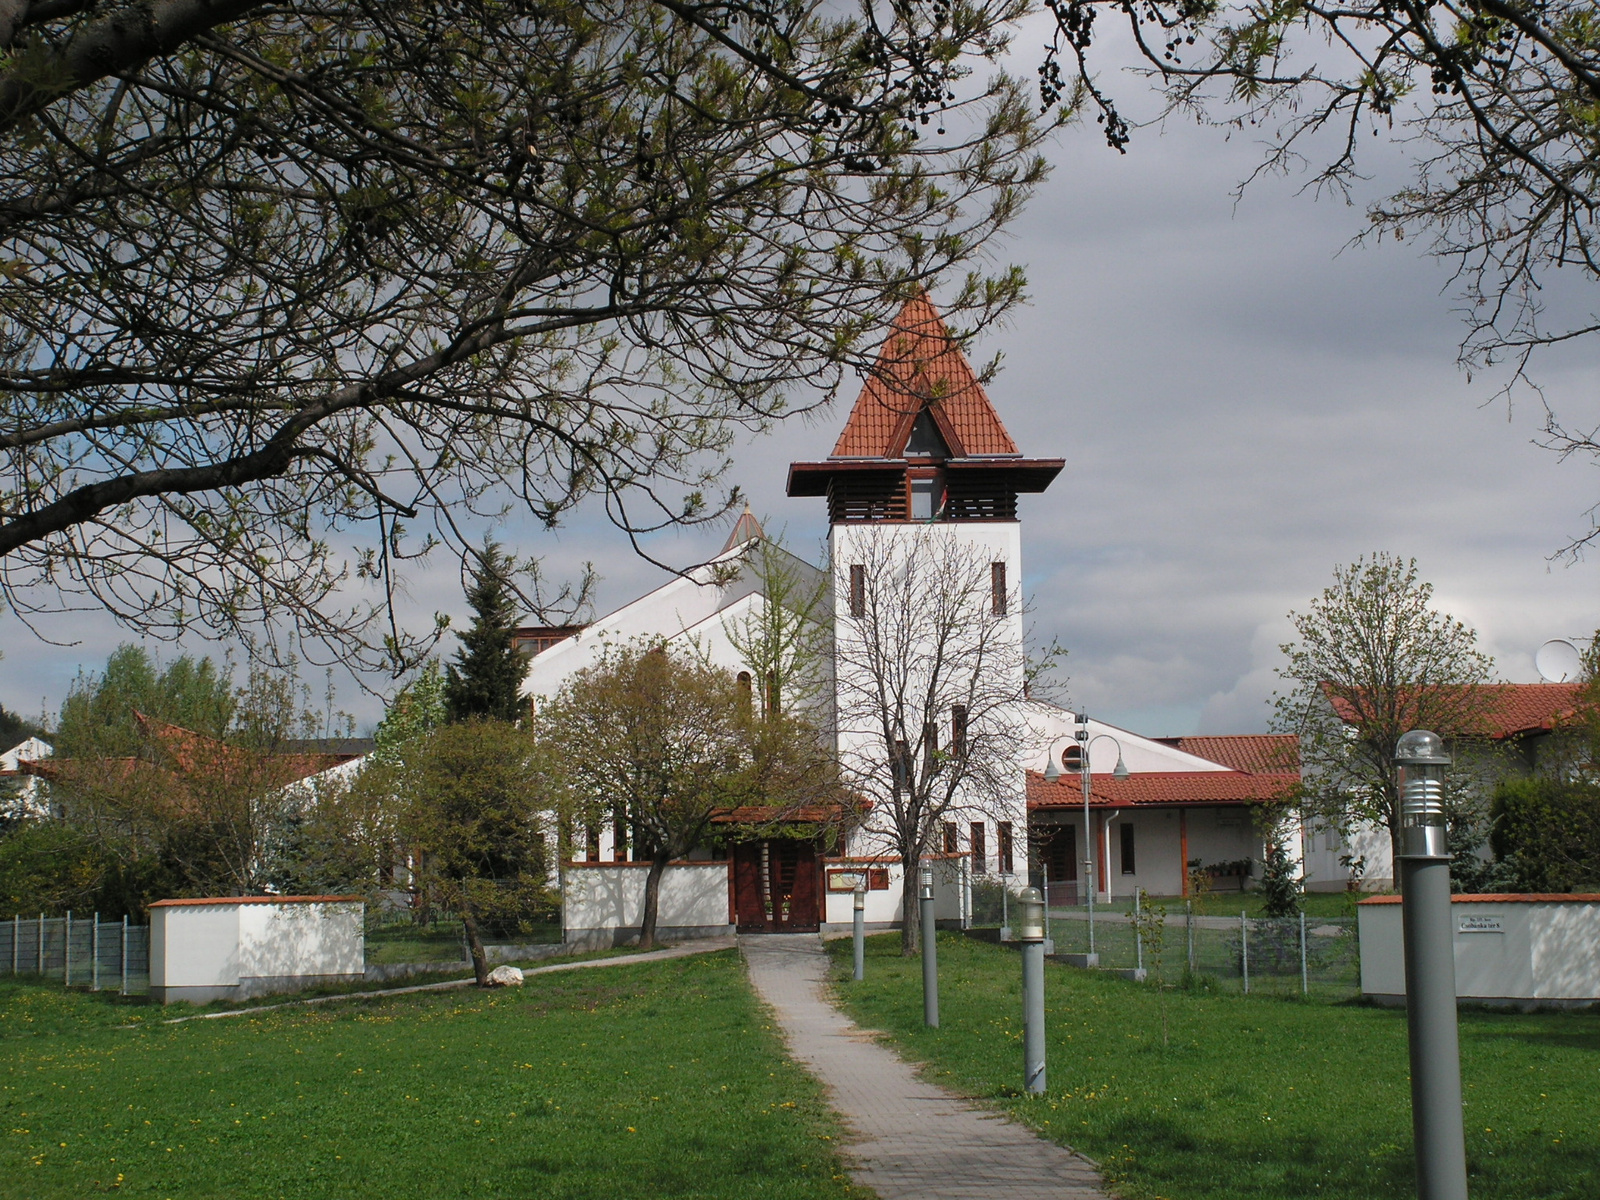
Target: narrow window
{"points": [[1127, 850], [1003, 838], [980, 852], [922, 492], [592, 837], [900, 765], [619, 836], [958, 730], [930, 749], [773, 697], [858, 590], [744, 692], [997, 588], [952, 842]]}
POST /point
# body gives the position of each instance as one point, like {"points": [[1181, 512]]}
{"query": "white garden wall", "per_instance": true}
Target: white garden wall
{"points": [[231, 948], [603, 903], [1522, 951]]}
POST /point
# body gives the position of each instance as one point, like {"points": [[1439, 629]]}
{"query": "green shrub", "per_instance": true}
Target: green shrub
{"points": [[1547, 835]]}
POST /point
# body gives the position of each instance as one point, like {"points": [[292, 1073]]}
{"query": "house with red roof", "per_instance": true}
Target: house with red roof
{"points": [[1518, 729], [1186, 805]]}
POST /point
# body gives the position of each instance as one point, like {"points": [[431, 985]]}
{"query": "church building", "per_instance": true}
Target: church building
{"points": [[924, 492]]}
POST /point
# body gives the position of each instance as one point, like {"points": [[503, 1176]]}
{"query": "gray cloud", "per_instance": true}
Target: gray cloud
{"points": [[1242, 401]]}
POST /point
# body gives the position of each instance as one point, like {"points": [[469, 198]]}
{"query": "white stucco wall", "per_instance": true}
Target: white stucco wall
{"points": [[194, 946], [611, 895], [858, 742], [227, 948], [1507, 948], [277, 940]]}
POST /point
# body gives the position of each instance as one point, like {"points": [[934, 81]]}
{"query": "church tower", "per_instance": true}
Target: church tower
{"points": [[924, 474]]}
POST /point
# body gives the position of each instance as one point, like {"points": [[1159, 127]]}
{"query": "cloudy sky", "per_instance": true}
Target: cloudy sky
{"points": [[1243, 402]]}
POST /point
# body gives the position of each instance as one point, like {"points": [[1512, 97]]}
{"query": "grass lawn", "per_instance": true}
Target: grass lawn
{"points": [[654, 1079], [1254, 1096]]}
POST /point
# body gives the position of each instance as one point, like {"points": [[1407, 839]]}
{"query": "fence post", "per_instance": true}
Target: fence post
{"points": [[1138, 934], [94, 955], [40, 963], [1305, 985], [1188, 925], [1244, 949], [66, 952], [124, 954], [16, 939]]}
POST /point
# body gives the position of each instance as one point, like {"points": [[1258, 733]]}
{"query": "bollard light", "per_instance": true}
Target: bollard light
{"points": [[1435, 1046], [930, 951], [1421, 759], [859, 929], [1032, 936], [1032, 906]]}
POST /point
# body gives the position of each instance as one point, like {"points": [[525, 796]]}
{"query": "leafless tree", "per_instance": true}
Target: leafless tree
{"points": [[931, 678], [289, 294]]}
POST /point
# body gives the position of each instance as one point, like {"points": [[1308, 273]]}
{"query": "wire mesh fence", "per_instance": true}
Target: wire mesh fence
{"points": [[1305, 955], [78, 952], [408, 935]]}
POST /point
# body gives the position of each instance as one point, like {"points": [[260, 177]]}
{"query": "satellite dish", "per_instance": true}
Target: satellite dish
{"points": [[1558, 661]]}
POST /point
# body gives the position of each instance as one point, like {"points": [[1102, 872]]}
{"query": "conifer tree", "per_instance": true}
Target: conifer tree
{"points": [[486, 678]]}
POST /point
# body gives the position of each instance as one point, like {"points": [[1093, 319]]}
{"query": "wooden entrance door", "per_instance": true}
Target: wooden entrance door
{"points": [[775, 886], [1058, 856]]}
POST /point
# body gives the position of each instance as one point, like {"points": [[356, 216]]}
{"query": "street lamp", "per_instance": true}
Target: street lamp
{"points": [[1053, 773], [1430, 969]]}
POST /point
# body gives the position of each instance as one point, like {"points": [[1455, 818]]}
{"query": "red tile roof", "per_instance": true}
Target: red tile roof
{"points": [[1510, 709], [1255, 753], [920, 366], [1159, 787]]}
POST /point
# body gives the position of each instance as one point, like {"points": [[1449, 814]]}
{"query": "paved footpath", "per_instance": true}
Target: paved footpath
{"points": [[914, 1140]]}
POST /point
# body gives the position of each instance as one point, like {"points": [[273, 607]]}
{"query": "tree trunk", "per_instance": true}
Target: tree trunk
{"points": [[480, 961], [910, 910], [652, 901]]}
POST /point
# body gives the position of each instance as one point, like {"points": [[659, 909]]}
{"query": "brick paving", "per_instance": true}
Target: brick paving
{"points": [[913, 1140]]}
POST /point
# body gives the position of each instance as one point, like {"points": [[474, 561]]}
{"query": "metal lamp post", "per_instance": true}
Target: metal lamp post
{"points": [[1430, 969], [1032, 937], [930, 952], [860, 929], [1052, 773]]}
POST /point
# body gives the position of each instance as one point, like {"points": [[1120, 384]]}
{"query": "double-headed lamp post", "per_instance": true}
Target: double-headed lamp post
{"points": [[1052, 772], [1430, 969]]}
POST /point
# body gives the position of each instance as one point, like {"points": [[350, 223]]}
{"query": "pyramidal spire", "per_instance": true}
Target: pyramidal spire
{"points": [[920, 369], [746, 528]]}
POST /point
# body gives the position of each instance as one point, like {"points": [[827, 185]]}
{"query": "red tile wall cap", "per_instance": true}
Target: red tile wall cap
{"points": [[258, 900], [645, 862], [1505, 898]]}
